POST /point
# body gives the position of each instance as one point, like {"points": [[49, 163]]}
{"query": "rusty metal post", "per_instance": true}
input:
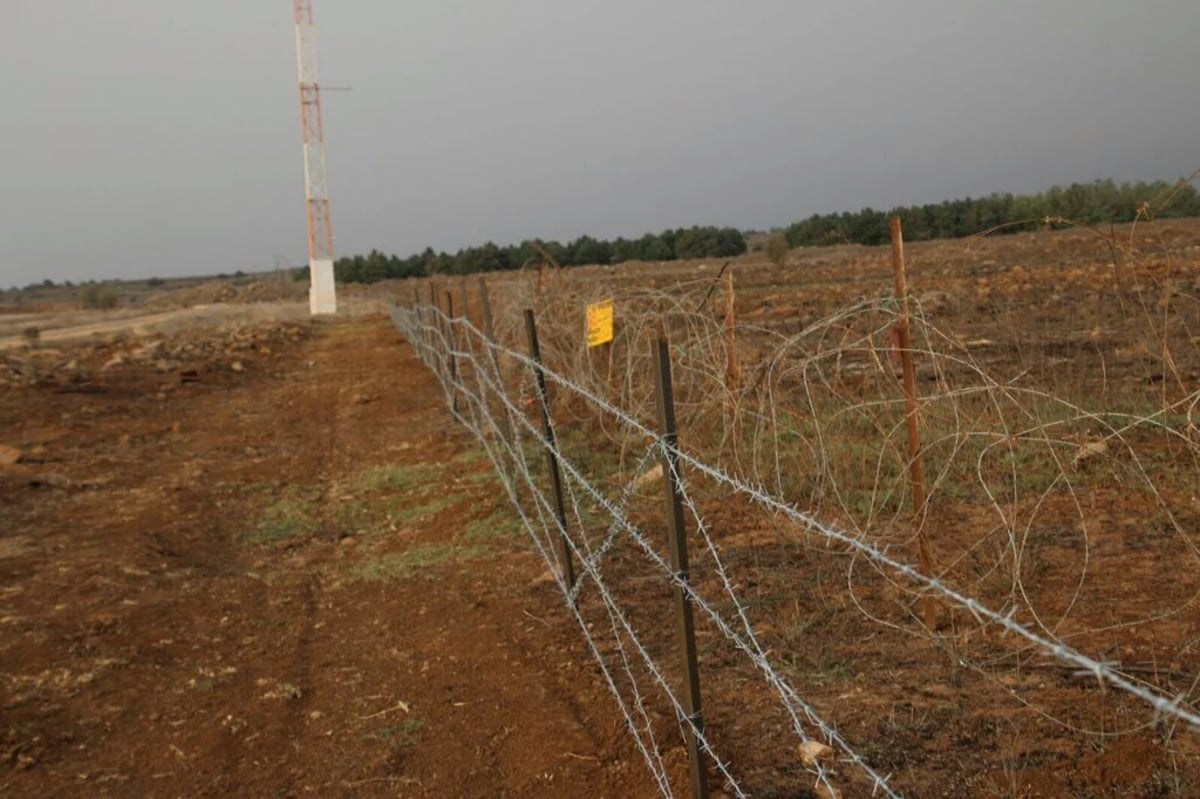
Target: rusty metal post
{"points": [[453, 361], [464, 293], [677, 541], [489, 332], [916, 468], [416, 308], [733, 372], [560, 510], [434, 317]]}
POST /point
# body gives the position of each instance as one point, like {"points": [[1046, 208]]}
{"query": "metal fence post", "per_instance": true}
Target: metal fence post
{"points": [[464, 294], [419, 332], [912, 415], [453, 361], [435, 322], [535, 353], [677, 542]]}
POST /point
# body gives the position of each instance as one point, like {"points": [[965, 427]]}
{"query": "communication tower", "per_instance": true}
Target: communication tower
{"points": [[322, 294]]}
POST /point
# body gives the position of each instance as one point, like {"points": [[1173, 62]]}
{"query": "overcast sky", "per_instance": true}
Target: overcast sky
{"points": [[143, 137]]}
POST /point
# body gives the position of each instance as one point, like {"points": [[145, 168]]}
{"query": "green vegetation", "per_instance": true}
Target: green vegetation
{"points": [[501, 524], [398, 478], [399, 565], [670, 245], [1096, 203], [777, 249], [405, 733], [1099, 202], [412, 514], [97, 297], [289, 517]]}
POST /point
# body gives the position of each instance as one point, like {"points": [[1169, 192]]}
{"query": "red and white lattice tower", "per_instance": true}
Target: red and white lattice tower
{"points": [[322, 296]]}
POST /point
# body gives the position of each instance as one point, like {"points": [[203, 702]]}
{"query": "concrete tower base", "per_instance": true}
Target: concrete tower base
{"points": [[322, 295]]}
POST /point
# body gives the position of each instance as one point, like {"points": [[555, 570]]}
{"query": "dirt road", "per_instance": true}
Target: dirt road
{"points": [[295, 580], [69, 326]]}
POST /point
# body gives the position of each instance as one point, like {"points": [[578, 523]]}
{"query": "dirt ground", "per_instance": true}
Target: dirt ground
{"points": [[59, 325], [1100, 551], [294, 579], [244, 553]]}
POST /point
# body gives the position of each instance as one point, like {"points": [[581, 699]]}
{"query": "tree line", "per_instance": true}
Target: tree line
{"points": [[670, 245], [1099, 202]]}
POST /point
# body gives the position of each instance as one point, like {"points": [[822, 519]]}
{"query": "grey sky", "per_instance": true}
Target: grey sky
{"points": [[144, 137]]}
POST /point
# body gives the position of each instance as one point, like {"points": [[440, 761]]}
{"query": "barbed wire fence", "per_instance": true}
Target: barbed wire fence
{"points": [[444, 340], [753, 453]]}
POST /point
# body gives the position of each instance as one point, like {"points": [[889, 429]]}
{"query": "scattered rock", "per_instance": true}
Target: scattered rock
{"points": [[46, 355], [187, 354], [1089, 451], [813, 753], [545, 578], [149, 352], [9, 455], [652, 475], [207, 293], [283, 690], [50, 480]]}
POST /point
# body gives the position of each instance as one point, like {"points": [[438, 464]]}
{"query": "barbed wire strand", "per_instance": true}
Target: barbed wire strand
{"points": [[1161, 705], [748, 644]]}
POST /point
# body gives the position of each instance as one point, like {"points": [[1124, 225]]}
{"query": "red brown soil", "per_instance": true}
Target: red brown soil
{"points": [[163, 633], [147, 648]]}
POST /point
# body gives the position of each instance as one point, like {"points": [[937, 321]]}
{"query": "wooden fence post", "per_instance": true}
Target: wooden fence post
{"points": [[916, 469], [733, 372]]}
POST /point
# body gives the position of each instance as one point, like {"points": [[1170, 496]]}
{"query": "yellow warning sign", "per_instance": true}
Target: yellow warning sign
{"points": [[599, 323]]}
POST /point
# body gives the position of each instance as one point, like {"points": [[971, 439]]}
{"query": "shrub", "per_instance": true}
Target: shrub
{"points": [[777, 248], [97, 297]]}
